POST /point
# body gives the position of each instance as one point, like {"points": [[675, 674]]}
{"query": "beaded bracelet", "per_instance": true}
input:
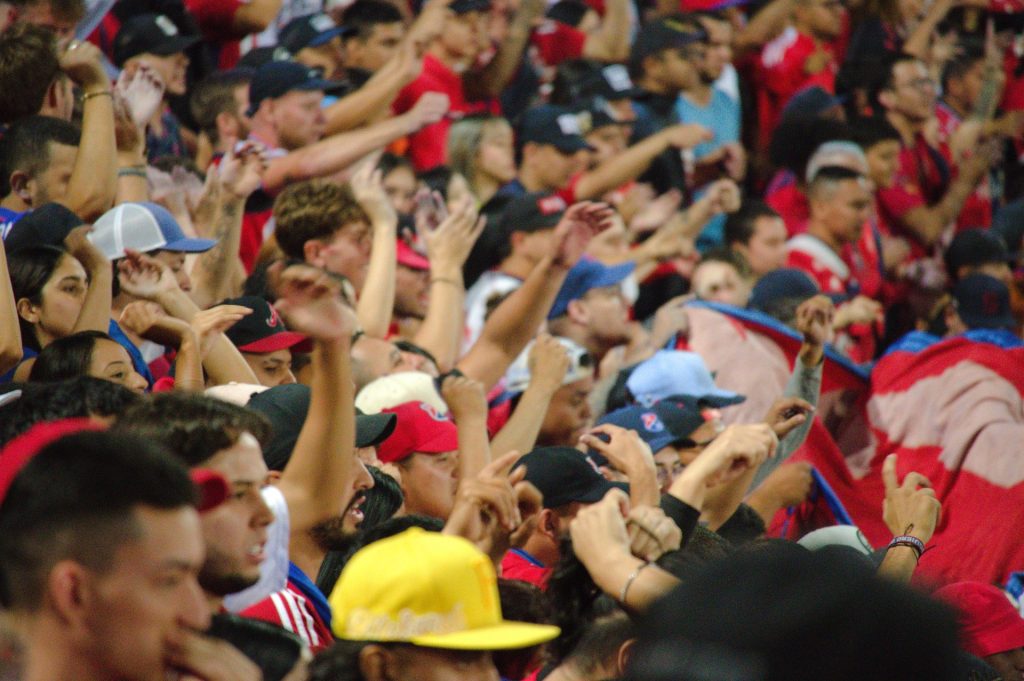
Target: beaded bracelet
{"points": [[910, 541]]}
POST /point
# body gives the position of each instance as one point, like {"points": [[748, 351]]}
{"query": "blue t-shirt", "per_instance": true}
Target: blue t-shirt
{"points": [[722, 117], [7, 219]]}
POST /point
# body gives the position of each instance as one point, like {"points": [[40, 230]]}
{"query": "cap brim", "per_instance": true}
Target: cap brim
{"points": [[328, 35], [503, 636], [613, 275], [189, 245], [463, 6], [320, 84], [213, 488], [982, 322], [275, 342], [372, 429], [174, 45], [444, 441], [573, 145], [721, 398], [413, 260]]}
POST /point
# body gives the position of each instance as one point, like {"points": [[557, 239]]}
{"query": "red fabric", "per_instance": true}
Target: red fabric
{"points": [[103, 35], [919, 182], [829, 280], [557, 42], [253, 225], [427, 148], [977, 210], [782, 74], [791, 204], [164, 384], [216, 19], [290, 609], [514, 566], [952, 413]]}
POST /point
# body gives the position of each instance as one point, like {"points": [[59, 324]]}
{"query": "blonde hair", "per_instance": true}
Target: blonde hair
{"points": [[464, 139]]}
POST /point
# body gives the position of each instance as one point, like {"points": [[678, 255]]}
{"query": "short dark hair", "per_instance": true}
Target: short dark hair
{"points": [[887, 78], [831, 175], [30, 268], [970, 52], [28, 66], [215, 95], [724, 255], [79, 397], [75, 500], [193, 427], [363, 15], [314, 209], [739, 226], [67, 357], [868, 131], [26, 146], [389, 162]]}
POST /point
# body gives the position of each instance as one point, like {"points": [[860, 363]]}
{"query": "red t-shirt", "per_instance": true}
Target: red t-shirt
{"points": [[977, 210], [782, 74], [428, 147], [520, 565], [832, 272], [215, 19], [921, 180], [557, 42], [290, 609], [791, 204]]}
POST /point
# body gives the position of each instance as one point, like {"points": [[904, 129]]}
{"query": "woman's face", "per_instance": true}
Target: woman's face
{"points": [[111, 362], [62, 298], [400, 186], [496, 155]]}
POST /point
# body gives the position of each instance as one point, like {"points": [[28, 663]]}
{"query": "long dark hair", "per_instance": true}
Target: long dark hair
{"points": [[30, 269], [67, 357]]}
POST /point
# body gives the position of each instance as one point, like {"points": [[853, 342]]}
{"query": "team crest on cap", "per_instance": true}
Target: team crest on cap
{"points": [[551, 204], [652, 424], [274, 320], [166, 25], [432, 412]]}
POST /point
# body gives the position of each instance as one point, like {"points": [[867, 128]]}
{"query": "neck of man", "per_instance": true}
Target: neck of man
{"points": [[214, 602], [655, 87], [701, 92], [539, 547], [819, 231], [907, 127], [530, 179], [306, 554], [582, 336], [265, 133], [960, 107], [13, 202]]}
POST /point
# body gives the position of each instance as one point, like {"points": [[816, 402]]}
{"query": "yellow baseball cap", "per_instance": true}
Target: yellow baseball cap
{"points": [[430, 590]]}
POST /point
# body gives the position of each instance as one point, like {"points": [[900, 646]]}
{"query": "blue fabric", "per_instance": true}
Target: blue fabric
{"points": [[7, 219], [919, 341], [527, 557], [26, 353], [310, 591], [115, 332]]}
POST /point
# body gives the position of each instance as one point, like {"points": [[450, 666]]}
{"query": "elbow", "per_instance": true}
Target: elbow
{"points": [[11, 355]]}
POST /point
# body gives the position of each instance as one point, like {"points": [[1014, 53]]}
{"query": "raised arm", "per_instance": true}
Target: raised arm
{"points": [[468, 406], [95, 314], [910, 510], [490, 81], [610, 42], [138, 94], [548, 362], [377, 299], [10, 330]]}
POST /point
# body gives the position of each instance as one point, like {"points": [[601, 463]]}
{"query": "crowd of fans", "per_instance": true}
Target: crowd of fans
{"points": [[383, 340]]}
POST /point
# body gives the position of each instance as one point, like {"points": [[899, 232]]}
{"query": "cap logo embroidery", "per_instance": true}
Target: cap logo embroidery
{"points": [[652, 424], [990, 304], [166, 25], [322, 22], [551, 204], [274, 320], [617, 77], [432, 412], [569, 124], [366, 624]]}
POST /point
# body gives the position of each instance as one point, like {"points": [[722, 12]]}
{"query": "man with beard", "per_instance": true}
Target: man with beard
{"points": [[301, 607]]}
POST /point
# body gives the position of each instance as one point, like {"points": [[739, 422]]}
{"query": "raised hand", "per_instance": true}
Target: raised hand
{"points": [[687, 135], [430, 108], [141, 90], [651, 532], [628, 453], [656, 213], [548, 361], [577, 227], [451, 242], [309, 299], [860, 310], [148, 320], [241, 170], [77, 244], [735, 451], [83, 63], [464, 396], [786, 414], [911, 507], [789, 484], [814, 319], [209, 324], [145, 277], [368, 189]]}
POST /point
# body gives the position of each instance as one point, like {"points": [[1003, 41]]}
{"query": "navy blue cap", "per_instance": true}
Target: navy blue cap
{"points": [[611, 82], [150, 33], [47, 225], [810, 102], [277, 78], [564, 475], [781, 283], [659, 35], [464, 6], [255, 58], [585, 275], [973, 247], [664, 423], [532, 212], [555, 125], [313, 30], [983, 302]]}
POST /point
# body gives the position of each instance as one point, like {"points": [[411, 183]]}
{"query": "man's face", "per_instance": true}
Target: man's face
{"points": [[429, 482], [376, 50], [171, 68], [298, 118], [271, 368], [150, 594], [553, 166], [606, 314], [825, 18], [719, 49], [608, 141], [668, 467], [680, 67], [42, 14], [766, 250], [336, 534], [883, 162], [913, 91], [534, 245], [1009, 664], [412, 292], [971, 83], [464, 34], [845, 213], [236, 531], [347, 252], [176, 261], [413, 663], [568, 416], [52, 182], [719, 282], [241, 112], [375, 358], [329, 58]]}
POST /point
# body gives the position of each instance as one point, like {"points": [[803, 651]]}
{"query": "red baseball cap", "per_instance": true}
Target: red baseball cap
{"points": [[420, 428], [989, 622], [411, 258]]}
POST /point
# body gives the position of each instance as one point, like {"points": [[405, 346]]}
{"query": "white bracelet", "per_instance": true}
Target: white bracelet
{"points": [[629, 582]]}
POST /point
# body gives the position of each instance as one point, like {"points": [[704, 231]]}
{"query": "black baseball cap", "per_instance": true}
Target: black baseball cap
{"points": [[286, 406], [612, 82], [983, 302], [277, 78], [973, 247], [152, 33], [564, 475], [47, 225], [253, 59], [532, 212], [310, 31], [464, 6], [558, 126], [664, 34], [781, 283], [262, 331]]}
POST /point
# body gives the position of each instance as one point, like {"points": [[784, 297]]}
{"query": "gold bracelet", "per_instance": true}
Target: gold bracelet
{"points": [[101, 93], [629, 581], [445, 280]]}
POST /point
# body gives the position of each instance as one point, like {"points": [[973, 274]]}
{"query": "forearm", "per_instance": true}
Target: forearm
{"points": [[132, 184], [611, 41], [805, 383], [188, 369], [722, 501], [212, 273], [93, 182], [644, 587], [377, 299], [490, 81], [928, 224], [320, 472], [616, 171], [920, 39], [95, 314], [474, 449], [255, 16], [10, 330], [643, 485], [366, 103], [521, 430], [899, 564], [441, 330], [765, 502], [763, 26]]}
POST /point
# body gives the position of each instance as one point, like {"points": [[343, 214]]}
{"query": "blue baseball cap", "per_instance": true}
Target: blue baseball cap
{"points": [[558, 126], [674, 373], [142, 227], [660, 425], [585, 275], [277, 78], [781, 283]]}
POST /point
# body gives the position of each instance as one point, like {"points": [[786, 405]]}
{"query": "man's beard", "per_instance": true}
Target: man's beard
{"points": [[332, 535], [224, 584]]}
